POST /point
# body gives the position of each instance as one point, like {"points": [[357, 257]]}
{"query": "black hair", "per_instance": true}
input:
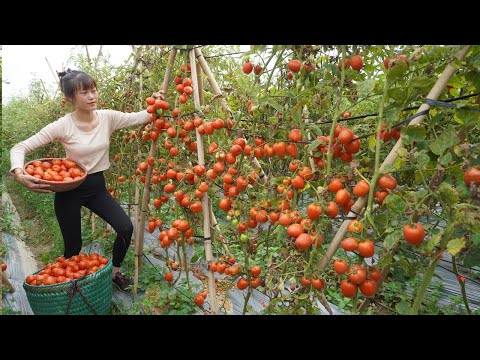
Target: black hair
{"points": [[73, 80]]}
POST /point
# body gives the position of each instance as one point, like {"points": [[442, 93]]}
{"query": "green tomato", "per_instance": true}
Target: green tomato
{"points": [[229, 218], [244, 237], [235, 222]]}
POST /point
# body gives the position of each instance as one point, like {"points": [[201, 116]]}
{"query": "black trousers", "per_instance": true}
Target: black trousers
{"points": [[92, 194]]}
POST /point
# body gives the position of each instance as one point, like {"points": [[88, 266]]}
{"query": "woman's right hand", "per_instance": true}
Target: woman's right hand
{"points": [[31, 183]]}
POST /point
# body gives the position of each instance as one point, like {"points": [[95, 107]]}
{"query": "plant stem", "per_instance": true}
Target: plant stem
{"points": [[185, 264], [249, 289], [378, 147], [462, 285], [279, 58], [268, 237], [335, 116], [427, 278]]}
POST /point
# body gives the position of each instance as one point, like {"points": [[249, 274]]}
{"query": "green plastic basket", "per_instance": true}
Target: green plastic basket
{"points": [[54, 299]]}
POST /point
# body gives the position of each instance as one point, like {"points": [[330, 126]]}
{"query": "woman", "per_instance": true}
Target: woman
{"points": [[85, 134]]}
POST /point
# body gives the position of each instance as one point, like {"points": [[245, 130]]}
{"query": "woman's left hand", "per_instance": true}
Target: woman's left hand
{"points": [[159, 94]]}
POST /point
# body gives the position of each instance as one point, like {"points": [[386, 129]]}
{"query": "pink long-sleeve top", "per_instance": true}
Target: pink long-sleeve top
{"points": [[90, 149]]}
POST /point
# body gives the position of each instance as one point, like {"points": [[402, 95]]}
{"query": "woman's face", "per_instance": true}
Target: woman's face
{"points": [[86, 99]]}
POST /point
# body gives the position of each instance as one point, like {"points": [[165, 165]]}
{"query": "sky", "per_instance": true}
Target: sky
{"points": [[22, 63]]}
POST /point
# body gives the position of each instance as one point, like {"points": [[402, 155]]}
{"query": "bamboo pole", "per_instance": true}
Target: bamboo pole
{"points": [[53, 72], [146, 191], [92, 217], [88, 55], [393, 155], [136, 218], [205, 205], [214, 224], [213, 219], [98, 55], [218, 92], [132, 75], [200, 84]]}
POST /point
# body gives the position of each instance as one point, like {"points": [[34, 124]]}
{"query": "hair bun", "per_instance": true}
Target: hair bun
{"points": [[63, 73]]}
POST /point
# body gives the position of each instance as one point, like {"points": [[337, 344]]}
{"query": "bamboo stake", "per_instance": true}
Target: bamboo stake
{"points": [[205, 205], [214, 224], [218, 92], [200, 84], [53, 72], [393, 155], [45, 89], [98, 55], [130, 80], [92, 217], [136, 218], [146, 191], [213, 219], [88, 55]]}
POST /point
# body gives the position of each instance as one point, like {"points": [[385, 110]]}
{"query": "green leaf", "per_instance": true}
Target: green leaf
{"points": [[391, 115], [398, 94], [476, 239], [446, 139], [448, 194], [434, 240], [297, 115], [422, 82], [403, 308], [454, 246], [402, 152], [399, 163], [472, 258], [446, 158], [371, 143], [396, 204], [365, 87], [404, 264], [393, 238], [474, 61], [422, 157], [387, 169], [396, 72], [314, 145], [194, 258], [467, 117], [381, 221], [387, 260], [474, 78], [272, 120], [325, 104], [413, 133], [303, 296], [437, 119]]}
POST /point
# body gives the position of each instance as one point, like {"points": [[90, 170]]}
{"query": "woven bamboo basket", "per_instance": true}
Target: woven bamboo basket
{"points": [[90, 295]]}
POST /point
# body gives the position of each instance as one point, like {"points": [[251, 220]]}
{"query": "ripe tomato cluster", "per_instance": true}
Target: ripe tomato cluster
{"points": [[356, 62], [180, 232], [344, 145], [200, 298], [55, 170], [64, 270], [358, 277], [248, 67]]}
